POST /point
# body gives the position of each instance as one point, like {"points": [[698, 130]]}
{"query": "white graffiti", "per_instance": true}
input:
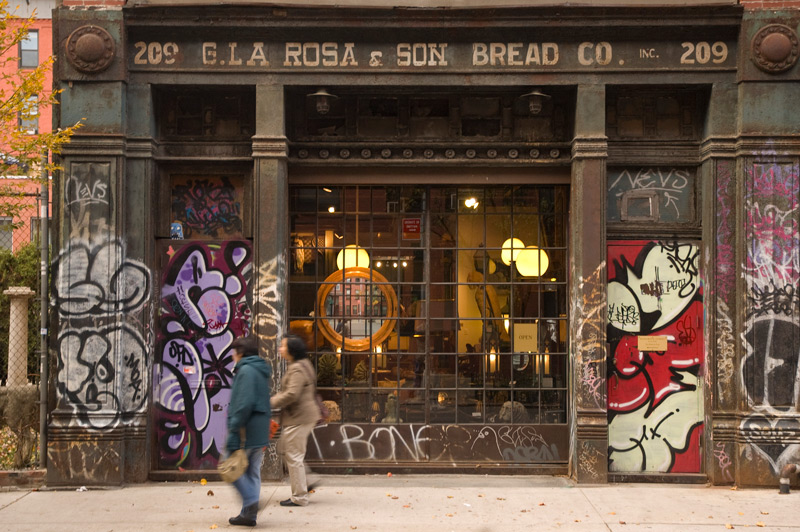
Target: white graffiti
{"points": [[103, 359], [671, 184], [725, 350], [98, 280], [638, 442], [104, 373], [773, 247]]}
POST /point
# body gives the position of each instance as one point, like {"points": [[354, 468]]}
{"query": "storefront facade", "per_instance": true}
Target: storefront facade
{"points": [[522, 240]]}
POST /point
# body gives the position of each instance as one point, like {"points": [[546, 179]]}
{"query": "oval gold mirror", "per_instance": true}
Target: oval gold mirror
{"points": [[356, 307]]}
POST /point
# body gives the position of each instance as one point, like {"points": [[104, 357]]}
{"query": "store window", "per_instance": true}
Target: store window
{"points": [[433, 304]]}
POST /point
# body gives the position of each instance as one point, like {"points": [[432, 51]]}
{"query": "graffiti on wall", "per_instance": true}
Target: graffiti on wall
{"points": [[772, 332], [209, 207], [654, 398], [267, 308], [431, 443], [203, 309], [724, 283], [88, 199], [671, 188], [102, 357]]}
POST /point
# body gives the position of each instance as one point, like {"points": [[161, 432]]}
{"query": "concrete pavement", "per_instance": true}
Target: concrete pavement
{"points": [[436, 503]]}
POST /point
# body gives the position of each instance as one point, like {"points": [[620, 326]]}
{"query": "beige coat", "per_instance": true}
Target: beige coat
{"points": [[296, 399]]}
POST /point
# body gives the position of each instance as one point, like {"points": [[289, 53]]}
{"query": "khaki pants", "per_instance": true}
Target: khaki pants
{"points": [[293, 443]]}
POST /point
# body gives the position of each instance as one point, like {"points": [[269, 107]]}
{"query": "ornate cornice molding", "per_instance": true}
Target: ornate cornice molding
{"points": [[590, 148], [397, 153], [767, 146], [141, 148], [94, 146], [270, 147], [718, 147]]}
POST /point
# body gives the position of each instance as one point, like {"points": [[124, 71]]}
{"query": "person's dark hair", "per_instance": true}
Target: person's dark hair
{"points": [[248, 345], [296, 346]]}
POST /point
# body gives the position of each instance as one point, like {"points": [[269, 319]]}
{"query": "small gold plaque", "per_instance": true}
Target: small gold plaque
{"points": [[652, 343]]}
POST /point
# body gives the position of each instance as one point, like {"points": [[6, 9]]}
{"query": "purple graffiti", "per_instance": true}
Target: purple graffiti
{"points": [[203, 309]]}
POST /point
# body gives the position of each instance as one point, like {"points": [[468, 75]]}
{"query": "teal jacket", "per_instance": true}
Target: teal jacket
{"points": [[249, 406]]}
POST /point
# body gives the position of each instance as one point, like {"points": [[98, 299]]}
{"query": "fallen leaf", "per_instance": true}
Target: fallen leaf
{"points": [[728, 526], [577, 520], [353, 527], [449, 496], [189, 491], [339, 493], [480, 495], [523, 511], [622, 522], [734, 488], [203, 482], [612, 513], [389, 474], [501, 498], [210, 493], [216, 507], [760, 524], [406, 506], [449, 515], [764, 513], [395, 497], [212, 527], [312, 491], [388, 494], [542, 504], [741, 513]]}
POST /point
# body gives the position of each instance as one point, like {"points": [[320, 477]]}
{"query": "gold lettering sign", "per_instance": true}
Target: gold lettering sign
{"points": [[526, 337], [652, 343]]}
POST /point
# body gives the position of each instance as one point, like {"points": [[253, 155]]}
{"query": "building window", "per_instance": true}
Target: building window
{"points": [[6, 233], [29, 117], [36, 228], [29, 50], [440, 321]]}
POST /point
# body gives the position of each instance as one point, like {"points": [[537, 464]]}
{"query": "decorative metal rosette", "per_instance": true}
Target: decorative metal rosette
{"points": [[90, 49], [775, 48]]}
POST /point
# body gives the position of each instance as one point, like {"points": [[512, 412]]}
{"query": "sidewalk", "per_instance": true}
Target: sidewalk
{"points": [[436, 503]]}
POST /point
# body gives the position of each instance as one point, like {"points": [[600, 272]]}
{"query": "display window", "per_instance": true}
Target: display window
{"points": [[433, 304]]}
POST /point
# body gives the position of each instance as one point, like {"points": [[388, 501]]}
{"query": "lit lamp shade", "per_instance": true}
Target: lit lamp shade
{"points": [[511, 249], [351, 257], [532, 262]]}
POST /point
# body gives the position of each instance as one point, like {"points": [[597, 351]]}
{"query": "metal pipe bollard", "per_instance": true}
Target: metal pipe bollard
{"points": [[785, 474]]}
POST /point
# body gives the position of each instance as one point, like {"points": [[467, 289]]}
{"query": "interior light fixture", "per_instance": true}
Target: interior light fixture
{"points": [[352, 256], [532, 262], [322, 100], [511, 249], [471, 203], [331, 209]]}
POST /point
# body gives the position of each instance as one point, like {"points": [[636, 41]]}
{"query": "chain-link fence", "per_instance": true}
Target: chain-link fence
{"points": [[20, 249]]}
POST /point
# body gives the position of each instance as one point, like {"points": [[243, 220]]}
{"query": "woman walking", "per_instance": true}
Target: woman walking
{"points": [[299, 415], [249, 410]]}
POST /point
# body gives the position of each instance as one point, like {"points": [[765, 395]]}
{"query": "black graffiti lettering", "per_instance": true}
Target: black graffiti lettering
{"points": [[135, 375], [773, 299], [623, 314], [181, 354]]}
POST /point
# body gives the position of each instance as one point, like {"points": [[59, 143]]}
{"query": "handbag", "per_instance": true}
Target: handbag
{"points": [[235, 465], [324, 413]]}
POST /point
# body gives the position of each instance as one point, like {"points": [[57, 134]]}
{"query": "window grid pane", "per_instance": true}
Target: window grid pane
{"points": [[477, 332]]}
